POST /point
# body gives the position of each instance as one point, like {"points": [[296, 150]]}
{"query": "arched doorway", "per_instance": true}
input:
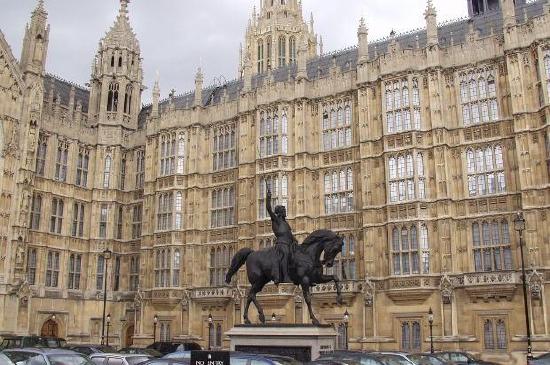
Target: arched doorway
{"points": [[129, 340], [50, 329]]}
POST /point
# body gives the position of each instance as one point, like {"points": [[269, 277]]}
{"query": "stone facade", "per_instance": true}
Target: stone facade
{"points": [[419, 149]]}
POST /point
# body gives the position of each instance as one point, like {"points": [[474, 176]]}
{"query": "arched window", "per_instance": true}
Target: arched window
{"points": [[176, 268], [488, 334], [219, 335], [181, 153], [410, 250], [292, 50], [107, 172], [485, 168], [478, 97], [260, 55], [495, 253], [112, 97], [282, 51], [128, 99], [179, 210]]}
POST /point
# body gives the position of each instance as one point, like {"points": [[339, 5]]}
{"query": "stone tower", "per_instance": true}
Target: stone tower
{"points": [[117, 76], [274, 36], [35, 43]]}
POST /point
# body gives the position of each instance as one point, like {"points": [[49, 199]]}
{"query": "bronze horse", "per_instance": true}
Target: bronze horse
{"points": [[305, 268]]}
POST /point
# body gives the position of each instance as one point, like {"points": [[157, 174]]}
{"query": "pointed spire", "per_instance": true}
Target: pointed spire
{"points": [[430, 14], [430, 9], [121, 33], [320, 45], [199, 78], [311, 22], [156, 97], [363, 40]]}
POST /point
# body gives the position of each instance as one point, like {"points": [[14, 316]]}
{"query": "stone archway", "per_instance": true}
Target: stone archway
{"points": [[129, 336], [50, 329]]}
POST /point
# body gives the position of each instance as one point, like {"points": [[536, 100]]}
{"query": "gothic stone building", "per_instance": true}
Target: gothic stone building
{"points": [[418, 149]]}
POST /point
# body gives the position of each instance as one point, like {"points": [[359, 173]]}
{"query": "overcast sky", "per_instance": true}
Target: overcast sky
{"points": [[178, 35]]}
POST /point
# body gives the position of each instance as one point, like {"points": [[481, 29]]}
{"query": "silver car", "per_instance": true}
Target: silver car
{"points": [[45, 356], [119, 359]]}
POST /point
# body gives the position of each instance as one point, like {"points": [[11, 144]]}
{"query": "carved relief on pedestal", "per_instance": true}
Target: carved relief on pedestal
{"points": [[535, 281], [368, 293], [446, 288]]}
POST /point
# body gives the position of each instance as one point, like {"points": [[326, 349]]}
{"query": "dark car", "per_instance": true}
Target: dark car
{"points": [[543, 359], [428, 359], [91, 349], [169, 347], [46, 356], [11, 342], [141, 351], [462, 358], [349, 357], [118, 359]]}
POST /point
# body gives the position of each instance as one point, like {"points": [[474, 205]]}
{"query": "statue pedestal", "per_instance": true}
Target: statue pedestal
{"points": [[301, 341]]}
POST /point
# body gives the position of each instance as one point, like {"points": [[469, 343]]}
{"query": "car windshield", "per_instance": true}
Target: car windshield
{"points": [[106, 349], [425, 360], [134, 360], [279, 361], [5, 360], [68, 359], [178, 355], [389, 359]]}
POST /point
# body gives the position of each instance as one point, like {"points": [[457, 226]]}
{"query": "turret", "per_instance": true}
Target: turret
{"points": [[302, 59], [199, 78], [362, 37], [508, 13], [431, 24], [156, 98], [35, 43], [117, 75]]}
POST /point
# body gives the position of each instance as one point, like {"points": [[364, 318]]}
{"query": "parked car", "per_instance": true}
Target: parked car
{"points": [[179, 355], [4, 360], [118, 359], [428, 359], [91, 349], [166, 362], [543, 359], [334, 361], [169, 347], [240, 358], [46, 356], [139, 350], [394, 358], [349, 357], [461, 358], [10, 342]]}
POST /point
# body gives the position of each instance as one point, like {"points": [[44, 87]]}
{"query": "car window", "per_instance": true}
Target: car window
{"points": [[260, 362], [26, 358], [115, 361], [99, 360], [458, 357], [134, 360], [369, 361], [68, 359], [237, 361]]}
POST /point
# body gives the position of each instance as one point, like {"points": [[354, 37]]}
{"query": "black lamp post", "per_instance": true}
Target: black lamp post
{"points": [[155, 321], [273, 317], [431, 322], [346, 321], [108, 325], [106, 256], [210, 324], [519, 225]]}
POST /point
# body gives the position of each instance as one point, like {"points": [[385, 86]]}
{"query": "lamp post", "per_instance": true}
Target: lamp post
{"points": [[519, 225], [210, 331], [431, 322], [106, 256], [273, 317], [108, 325], [53, 317], [155, 321], [346, 321]]}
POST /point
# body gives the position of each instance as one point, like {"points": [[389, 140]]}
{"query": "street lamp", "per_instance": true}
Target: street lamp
{"points": [[431, 322], [346, 321], [155, 321], [108, 325], [519, 225], [106, 257], [210, 324], [273, 317], [53, 317]]}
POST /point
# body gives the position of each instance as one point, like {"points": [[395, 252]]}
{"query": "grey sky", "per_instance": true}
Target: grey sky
{"points": [[176, 35]]}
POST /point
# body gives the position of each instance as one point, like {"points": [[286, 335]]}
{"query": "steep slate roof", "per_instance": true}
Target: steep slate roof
{"points": [[63, 89]]}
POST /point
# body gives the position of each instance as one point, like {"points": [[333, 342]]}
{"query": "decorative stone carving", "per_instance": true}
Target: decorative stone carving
{"points": [[368, 292], [446, 288], [535, 281]]}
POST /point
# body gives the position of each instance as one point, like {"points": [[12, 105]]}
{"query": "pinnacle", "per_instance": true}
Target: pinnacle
{"points": [[430, 8]]}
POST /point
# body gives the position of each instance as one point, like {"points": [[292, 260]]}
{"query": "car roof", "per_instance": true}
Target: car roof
{"points": [[45, 350], [103, 354]]}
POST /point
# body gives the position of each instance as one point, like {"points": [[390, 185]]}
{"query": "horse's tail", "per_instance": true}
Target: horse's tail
{"points": [[238, 260]]}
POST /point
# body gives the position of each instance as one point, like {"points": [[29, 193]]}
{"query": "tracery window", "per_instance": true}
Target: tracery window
{"points": [[222, 211], [52, 269], [266, 243], [82, 167], [407, 179], [119, 222], [491, 245], [403, 105], [116, 274], [100, 272], [176, 268], [107, 172], [345, 265], [339, 191], [168, 154], [546, 60], [292, 50], [31, 266], [136, 221], [181, 153], [410, 250], [41, 154], [478, 96], [122, 181], [224, 154], [134, 273], [36, 211], [410, 336], [282, 51], [61, 161], [56, 218], [128, 99], [494, 334], [220, 259], [165, 332], [103, 215], [78, 220], [167, 267], [336, 125], [179, 211], [273, 134], [278, 185], [75, 267], [140, 168], [112, 97], [485, 166], [164, 212], [260, 56]]}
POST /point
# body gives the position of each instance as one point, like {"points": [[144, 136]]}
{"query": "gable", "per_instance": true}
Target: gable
{"points": [[11, 80]]}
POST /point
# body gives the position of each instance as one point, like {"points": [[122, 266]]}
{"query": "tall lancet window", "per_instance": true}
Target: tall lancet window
{"points": [[260, 56], [107, 172], [112, 98], [282, 51], [128, 99], [292, 50]]}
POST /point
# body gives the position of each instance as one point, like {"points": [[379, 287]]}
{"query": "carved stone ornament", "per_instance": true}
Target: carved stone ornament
{"points": [[446, 288], [368, 292], [139, 298], [186, 298], [535, 281]]}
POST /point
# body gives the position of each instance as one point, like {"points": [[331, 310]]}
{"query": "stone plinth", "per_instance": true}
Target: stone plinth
{"points": [[301, 341]]}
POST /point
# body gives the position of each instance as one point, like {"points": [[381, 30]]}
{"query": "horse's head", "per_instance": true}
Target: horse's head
{"points": [[333, 247]]}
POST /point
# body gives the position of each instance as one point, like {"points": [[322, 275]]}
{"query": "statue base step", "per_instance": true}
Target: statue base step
{"points": [[301, 341]]}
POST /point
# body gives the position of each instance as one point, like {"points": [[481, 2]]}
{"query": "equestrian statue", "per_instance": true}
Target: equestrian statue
{"points": [[288, 262]]}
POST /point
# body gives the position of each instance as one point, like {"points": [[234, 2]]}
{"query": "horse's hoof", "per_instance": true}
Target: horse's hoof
{"points": [[315, 322], [262, 318], [247, 321]]}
